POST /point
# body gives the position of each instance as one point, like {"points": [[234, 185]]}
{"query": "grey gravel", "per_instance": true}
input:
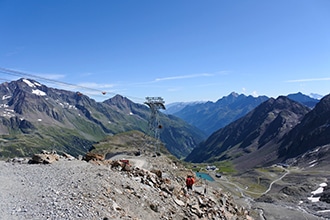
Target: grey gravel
{"points": [[62, 190]]}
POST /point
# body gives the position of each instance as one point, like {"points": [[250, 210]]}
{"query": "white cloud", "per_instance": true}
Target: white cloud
{"points": [[184, 77], [95, 85], [254, 94], [36, 76], [50, 76], [87, 74], [308, 80], [174, 89], [208, 85]]}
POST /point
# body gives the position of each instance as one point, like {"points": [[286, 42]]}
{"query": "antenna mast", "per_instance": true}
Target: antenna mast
{"points": [[155, 103]]}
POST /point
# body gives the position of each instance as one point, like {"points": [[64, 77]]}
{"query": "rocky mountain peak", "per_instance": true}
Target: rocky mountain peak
{"points": [[121, 103], [304, 99], [234, 94], [29, 86], [279, 105], [232, 97], [117, 99]]}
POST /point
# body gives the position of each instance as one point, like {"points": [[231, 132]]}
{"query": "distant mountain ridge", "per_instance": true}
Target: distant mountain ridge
{"points": [[275, 131], [34, 116], [303, 99], [211, 116]]}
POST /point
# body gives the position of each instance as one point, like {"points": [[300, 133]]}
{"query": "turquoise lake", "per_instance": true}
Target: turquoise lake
{"points": [[204, 176]]}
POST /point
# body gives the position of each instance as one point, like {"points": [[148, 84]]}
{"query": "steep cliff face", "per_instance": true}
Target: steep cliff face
{"points": [[312, 132], [15, 124]]}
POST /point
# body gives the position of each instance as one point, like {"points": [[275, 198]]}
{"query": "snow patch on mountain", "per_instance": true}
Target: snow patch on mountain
{"points": [[316, 192], [8, 113], [5, 97], [29, 83], [38, 92], [66, 105], [37, 84]]}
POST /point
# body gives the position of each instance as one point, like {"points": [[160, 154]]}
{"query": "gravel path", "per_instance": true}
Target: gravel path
{"points": [[62, 190]]}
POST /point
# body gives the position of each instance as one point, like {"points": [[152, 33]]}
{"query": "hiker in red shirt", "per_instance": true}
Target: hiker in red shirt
{"points": [[190, 182]]}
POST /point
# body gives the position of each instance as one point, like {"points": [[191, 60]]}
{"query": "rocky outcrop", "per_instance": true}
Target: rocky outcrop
{"points": [[325, 196], [93, 156], [45, 158], [192, 205]]}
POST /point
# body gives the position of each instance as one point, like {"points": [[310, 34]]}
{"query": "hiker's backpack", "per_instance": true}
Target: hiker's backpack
{"points": [[190, 181]]}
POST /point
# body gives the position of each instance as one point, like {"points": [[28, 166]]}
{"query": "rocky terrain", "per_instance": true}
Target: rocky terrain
{"points": [[62, 187], [50, 186]]}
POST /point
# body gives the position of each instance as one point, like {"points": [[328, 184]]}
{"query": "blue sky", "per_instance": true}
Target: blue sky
{"points": [[181, 50]]}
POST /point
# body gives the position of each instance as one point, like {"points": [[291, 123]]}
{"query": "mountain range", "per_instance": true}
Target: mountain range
{"points": [[253, 131], [275, 131], [211, 116], [34, 117]]}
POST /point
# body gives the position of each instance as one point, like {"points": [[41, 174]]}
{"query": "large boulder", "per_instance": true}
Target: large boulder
{"points": [[45, 158], [93, 157]]}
